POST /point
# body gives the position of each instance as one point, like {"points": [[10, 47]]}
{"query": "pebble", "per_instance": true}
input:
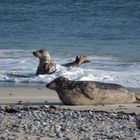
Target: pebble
{"points": [[51, 134], [50, 122], [67, 138], [138, 121], [59, 135]]}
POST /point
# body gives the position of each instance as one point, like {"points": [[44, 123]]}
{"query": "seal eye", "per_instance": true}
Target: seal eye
{"points": [[40, 51]]}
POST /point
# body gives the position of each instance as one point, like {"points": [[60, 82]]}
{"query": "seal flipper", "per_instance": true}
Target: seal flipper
{"points": [[87, 90]]}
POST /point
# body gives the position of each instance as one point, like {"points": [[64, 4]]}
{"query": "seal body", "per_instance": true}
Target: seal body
{"points": [[45, 63], [90, 92]]}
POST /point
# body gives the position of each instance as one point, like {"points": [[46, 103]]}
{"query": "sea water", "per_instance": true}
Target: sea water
{"points": [[107, 31]]}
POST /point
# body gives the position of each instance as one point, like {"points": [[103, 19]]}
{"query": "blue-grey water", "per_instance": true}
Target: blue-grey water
{"points": [[108, 31]]}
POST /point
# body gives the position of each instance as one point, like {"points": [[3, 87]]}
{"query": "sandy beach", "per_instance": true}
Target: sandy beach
{"points": [[36, 113], [42, 95]]}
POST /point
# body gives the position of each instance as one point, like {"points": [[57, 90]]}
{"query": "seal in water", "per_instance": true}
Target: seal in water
{"points": [[45, 63], [46, 66]]}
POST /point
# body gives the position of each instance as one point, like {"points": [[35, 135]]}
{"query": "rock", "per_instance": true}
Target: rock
{"points": [[67, 124], [51, 134], [138, 121], [59, 135], [2, 138], [67, 138], [10, 109], [57, 128]]}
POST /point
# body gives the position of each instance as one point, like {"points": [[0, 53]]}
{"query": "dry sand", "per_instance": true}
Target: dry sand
{"points": [[42, 95]]}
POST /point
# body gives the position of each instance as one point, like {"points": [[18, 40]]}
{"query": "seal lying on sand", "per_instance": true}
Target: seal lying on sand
{"points": [[45, 63], [90, 93]]}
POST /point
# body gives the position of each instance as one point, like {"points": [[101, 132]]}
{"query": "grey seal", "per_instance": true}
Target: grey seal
{"points": [[46, 66], [90, 92]]}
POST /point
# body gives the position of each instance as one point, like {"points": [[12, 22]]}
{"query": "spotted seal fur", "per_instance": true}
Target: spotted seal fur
{"points": [[90, 92], [45, 63]]}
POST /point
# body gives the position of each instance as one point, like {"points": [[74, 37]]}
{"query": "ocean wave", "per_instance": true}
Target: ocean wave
{"points": [[17, 69], [123, 78]]}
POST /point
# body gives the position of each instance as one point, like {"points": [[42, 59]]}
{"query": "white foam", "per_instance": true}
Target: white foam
{"points": [[17, 67]]}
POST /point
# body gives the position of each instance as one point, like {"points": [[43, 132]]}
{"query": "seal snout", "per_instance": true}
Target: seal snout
{"points": [[47, 85], [35, 53], [51, 85]]}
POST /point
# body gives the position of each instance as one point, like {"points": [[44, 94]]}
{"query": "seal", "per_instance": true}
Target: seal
{"points": [[90, 92], [46, 66], [45, 63]]}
